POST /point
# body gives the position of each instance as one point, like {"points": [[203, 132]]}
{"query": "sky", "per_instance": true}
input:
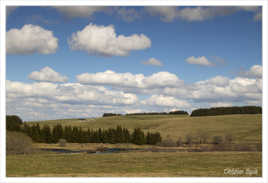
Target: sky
{"points": [[73, 62]]}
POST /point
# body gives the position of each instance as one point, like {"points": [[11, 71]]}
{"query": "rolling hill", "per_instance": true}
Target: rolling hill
{"points": [[245, 128]]}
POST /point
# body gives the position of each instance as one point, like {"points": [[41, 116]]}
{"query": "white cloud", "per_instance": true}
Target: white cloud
{"points": [[254, 72], [248, 8], [51, 100], [166, 13], [199, 61], [118, 92], [238, 89], [191, 14], [102, 40], [165, 101], [243, 86], [119, 80], [31, 39], [47, 75], [111, 78], [221, 104], [153, 61], [204, 13], [218, 88], [127, 14], [18, 89], [71, 93], [79, 11], [216, 81], [162, 80]]}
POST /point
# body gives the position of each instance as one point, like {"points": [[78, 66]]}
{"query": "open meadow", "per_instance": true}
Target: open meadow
{"points": [[142, 164], [246, 130]]}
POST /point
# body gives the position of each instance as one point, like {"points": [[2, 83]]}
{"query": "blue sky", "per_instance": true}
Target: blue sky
{"points": [[194, 48]]}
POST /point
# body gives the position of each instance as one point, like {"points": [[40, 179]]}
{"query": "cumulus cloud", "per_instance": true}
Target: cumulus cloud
{"points": [[111, 78], [221, 104], [254, 72], [102, 40], [248, 8], [239, 89], [79, 11], [204, 13], [166, 13], [125, 13], [191, 14], [118, 92], [71, 93], [216, 89], [31, 39], [199, 61], [216, 81], [165, 101], [54, 100], [162, 80], [128, 14], [153, 61], [47, 75]]}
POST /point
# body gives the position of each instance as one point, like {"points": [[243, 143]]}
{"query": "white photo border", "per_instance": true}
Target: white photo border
{"points": [[263, 3]]}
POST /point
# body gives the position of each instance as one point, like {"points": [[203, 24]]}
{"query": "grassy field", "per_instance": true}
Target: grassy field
{"points": [[244, 128], [143, 164], [89, 146]]}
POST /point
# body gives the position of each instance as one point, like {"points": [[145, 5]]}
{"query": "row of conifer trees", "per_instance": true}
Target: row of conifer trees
{"points": [[227, 110], [74, 134]]}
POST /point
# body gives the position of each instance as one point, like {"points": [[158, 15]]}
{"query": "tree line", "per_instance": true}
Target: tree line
{"points": [[147, 113], [202, 112], [13, 123], [74, 134], [227, 110]]}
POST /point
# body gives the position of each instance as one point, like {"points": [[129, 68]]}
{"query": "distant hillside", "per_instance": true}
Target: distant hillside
{"points": [[214, 111], [245, 128]]}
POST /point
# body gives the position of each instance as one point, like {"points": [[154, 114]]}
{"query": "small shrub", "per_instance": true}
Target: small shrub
{"points": [[168, 142], [202, 137], [217, 140], [229, 138], [189, 139], [62, 142], [101, 149], [18, 143], [179, 142]]}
